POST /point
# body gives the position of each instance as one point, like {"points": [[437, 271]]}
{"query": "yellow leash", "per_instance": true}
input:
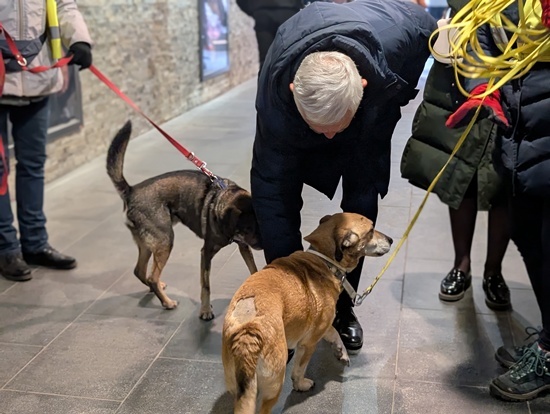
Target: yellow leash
{"points": [[359, 298], [528, 44]]}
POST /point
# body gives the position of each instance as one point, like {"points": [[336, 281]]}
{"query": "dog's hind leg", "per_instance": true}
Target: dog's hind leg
{"points": [[140, 271], [271, 375], [303, 355], [246, 254], [207, 253], [160, 257], [333, 338]]}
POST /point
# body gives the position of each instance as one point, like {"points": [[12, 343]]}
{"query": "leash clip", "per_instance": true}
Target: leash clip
{"points": [[360, 298]]}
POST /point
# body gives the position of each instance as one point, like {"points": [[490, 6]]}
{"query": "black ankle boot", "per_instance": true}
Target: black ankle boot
{"points": [[497, 294], [454, 285], [349, 329]]}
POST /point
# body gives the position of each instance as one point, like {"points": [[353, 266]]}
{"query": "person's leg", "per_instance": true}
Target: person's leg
{"points": [[463, 222], [363, 202], [30, 131], [12, 265], [8, 233], [531, 232], [497, 294], [267, 22]]}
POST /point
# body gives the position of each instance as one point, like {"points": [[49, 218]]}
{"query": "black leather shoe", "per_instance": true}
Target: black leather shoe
{"points": [[350, 330], [497, 294], [49, 257], [454, 285], [13, 267]]}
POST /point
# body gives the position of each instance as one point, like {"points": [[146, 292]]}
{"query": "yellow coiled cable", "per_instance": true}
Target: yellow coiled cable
{"points": [[527, 43]]}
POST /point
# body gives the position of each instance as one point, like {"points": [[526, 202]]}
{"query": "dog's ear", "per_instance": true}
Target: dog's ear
{"points": [[328, 216], [350, 239]]}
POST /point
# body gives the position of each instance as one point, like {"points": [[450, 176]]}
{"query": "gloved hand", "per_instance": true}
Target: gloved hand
{"points": [[545, 17], [491, 108], [81, 53]]}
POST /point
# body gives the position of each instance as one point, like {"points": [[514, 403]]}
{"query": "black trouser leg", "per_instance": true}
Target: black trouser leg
{"points": [[530, 230]]}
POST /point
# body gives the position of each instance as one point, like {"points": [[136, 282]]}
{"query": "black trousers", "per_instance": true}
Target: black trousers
{"points": [[267, 21], [531, 233]]}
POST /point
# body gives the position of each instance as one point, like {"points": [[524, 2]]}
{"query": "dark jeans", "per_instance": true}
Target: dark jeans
{"points": [[531, 234], [30, 128], [267, 21]]}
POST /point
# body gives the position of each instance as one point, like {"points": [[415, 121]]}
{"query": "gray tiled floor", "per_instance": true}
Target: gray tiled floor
{"points": [[92, 340]]}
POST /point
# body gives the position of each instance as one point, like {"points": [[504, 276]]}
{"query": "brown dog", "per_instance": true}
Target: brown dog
{"points": [[218, 216], [289, 304]]}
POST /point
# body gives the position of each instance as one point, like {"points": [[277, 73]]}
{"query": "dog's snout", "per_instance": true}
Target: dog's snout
{"points": [[390, 240]]}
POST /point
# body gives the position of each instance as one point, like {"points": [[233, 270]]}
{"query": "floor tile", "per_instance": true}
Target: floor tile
{"points": [[96, 357], [25, 403]]}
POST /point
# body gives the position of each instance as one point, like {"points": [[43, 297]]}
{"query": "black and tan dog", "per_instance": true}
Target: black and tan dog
{"points": [[291, 304], [218, 216]]}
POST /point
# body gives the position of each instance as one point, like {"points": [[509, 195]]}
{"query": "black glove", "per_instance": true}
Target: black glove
{"points": [[81, 53]]}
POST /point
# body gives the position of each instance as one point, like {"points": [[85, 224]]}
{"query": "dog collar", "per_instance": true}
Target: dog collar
{"points": [[337, 270]]}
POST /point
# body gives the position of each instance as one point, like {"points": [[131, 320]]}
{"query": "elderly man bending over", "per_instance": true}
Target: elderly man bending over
{"points": [[329, 97]]}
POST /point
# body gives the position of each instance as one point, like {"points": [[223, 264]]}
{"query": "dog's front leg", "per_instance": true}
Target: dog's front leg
{"points": [[248, 257], [303, 355], [332, 337], [207, 253]]}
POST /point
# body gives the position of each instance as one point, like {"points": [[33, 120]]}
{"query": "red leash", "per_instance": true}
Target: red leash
{"points": [[201, 165]]}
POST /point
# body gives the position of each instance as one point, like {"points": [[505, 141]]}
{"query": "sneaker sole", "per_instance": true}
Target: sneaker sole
{"points": [[497, 392]]}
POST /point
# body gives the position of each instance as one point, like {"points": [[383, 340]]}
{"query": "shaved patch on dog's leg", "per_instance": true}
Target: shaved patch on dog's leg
{"points": [[340, 352], [246, 254], [303, 355], [159, 261], [206, 312]]}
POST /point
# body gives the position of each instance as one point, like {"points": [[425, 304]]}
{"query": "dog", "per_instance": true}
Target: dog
{"points": [[218, 216], [291, 304]]}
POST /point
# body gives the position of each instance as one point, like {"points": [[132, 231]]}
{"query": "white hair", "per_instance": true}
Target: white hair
{"points": [[327, 87]]}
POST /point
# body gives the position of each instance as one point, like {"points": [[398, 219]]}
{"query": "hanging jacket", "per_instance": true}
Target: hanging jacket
{"points": [[522, 153], [431, 143], [26, 20]]}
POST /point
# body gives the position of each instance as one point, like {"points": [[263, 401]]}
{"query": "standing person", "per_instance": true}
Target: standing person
{"points": [[25, 103], [522, 157], [268, 15], [329, 96], [469, 185]]}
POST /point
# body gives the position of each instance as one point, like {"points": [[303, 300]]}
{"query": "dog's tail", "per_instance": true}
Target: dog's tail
{"points": [[246, 346], [115, 160]]}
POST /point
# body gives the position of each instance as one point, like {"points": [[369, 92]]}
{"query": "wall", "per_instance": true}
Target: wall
{"points": [[150, 50]]}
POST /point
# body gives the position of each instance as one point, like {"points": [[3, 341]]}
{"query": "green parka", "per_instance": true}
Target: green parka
{"points": [[432, 142]]}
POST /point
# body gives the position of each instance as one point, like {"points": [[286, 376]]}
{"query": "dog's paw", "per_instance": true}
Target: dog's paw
{"points": [[305, 384], [341, 354], [171, 304], [207, 315]]}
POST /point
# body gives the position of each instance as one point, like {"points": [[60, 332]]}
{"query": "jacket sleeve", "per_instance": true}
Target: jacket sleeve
{"points": [[71, 24], [276, 185]]}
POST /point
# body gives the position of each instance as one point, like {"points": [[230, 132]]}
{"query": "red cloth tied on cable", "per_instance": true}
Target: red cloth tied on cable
{"points": [[545, 17]]}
